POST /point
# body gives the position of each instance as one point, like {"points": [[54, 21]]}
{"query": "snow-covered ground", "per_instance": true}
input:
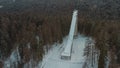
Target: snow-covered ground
{"points": [[53, 58], [91, 53], [13, 60], [1, 6]]}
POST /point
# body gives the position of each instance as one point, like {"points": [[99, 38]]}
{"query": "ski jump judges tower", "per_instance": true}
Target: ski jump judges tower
{"points": [[66, 54]]}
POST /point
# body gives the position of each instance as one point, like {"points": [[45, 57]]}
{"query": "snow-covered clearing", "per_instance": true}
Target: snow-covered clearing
{"points": [[53, 58]]}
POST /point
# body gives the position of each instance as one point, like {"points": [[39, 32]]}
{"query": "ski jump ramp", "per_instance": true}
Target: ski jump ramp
{"points": [[66, 54]]}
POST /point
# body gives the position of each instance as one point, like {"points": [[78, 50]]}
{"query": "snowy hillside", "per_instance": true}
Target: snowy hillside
{"points": [[53, 58]]}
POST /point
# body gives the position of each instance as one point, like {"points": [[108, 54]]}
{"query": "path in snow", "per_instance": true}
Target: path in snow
{"points": [[53, 58]]}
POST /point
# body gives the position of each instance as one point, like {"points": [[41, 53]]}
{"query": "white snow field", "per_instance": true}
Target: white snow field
{"points": [[53, 58]]}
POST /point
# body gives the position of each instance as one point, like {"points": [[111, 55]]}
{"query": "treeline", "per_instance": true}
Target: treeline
{"points": [[106, 34], [108, 8], [30, 32]]}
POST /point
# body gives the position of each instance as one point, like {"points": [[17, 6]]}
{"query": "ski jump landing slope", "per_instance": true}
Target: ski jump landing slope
{"points": [[53, 58]]}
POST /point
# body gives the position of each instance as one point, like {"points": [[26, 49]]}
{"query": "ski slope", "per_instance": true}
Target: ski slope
{"points": [[53, 58]]}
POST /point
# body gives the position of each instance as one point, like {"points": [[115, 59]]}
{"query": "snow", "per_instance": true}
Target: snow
{"points": [[30, 64], [67, 50], [92, 54], [107, 62], [1, 6], [28, 45], [53, 58], [13, 60]]}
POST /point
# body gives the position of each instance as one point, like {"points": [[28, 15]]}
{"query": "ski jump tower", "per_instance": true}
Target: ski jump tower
{"points": [[66, 54]]}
